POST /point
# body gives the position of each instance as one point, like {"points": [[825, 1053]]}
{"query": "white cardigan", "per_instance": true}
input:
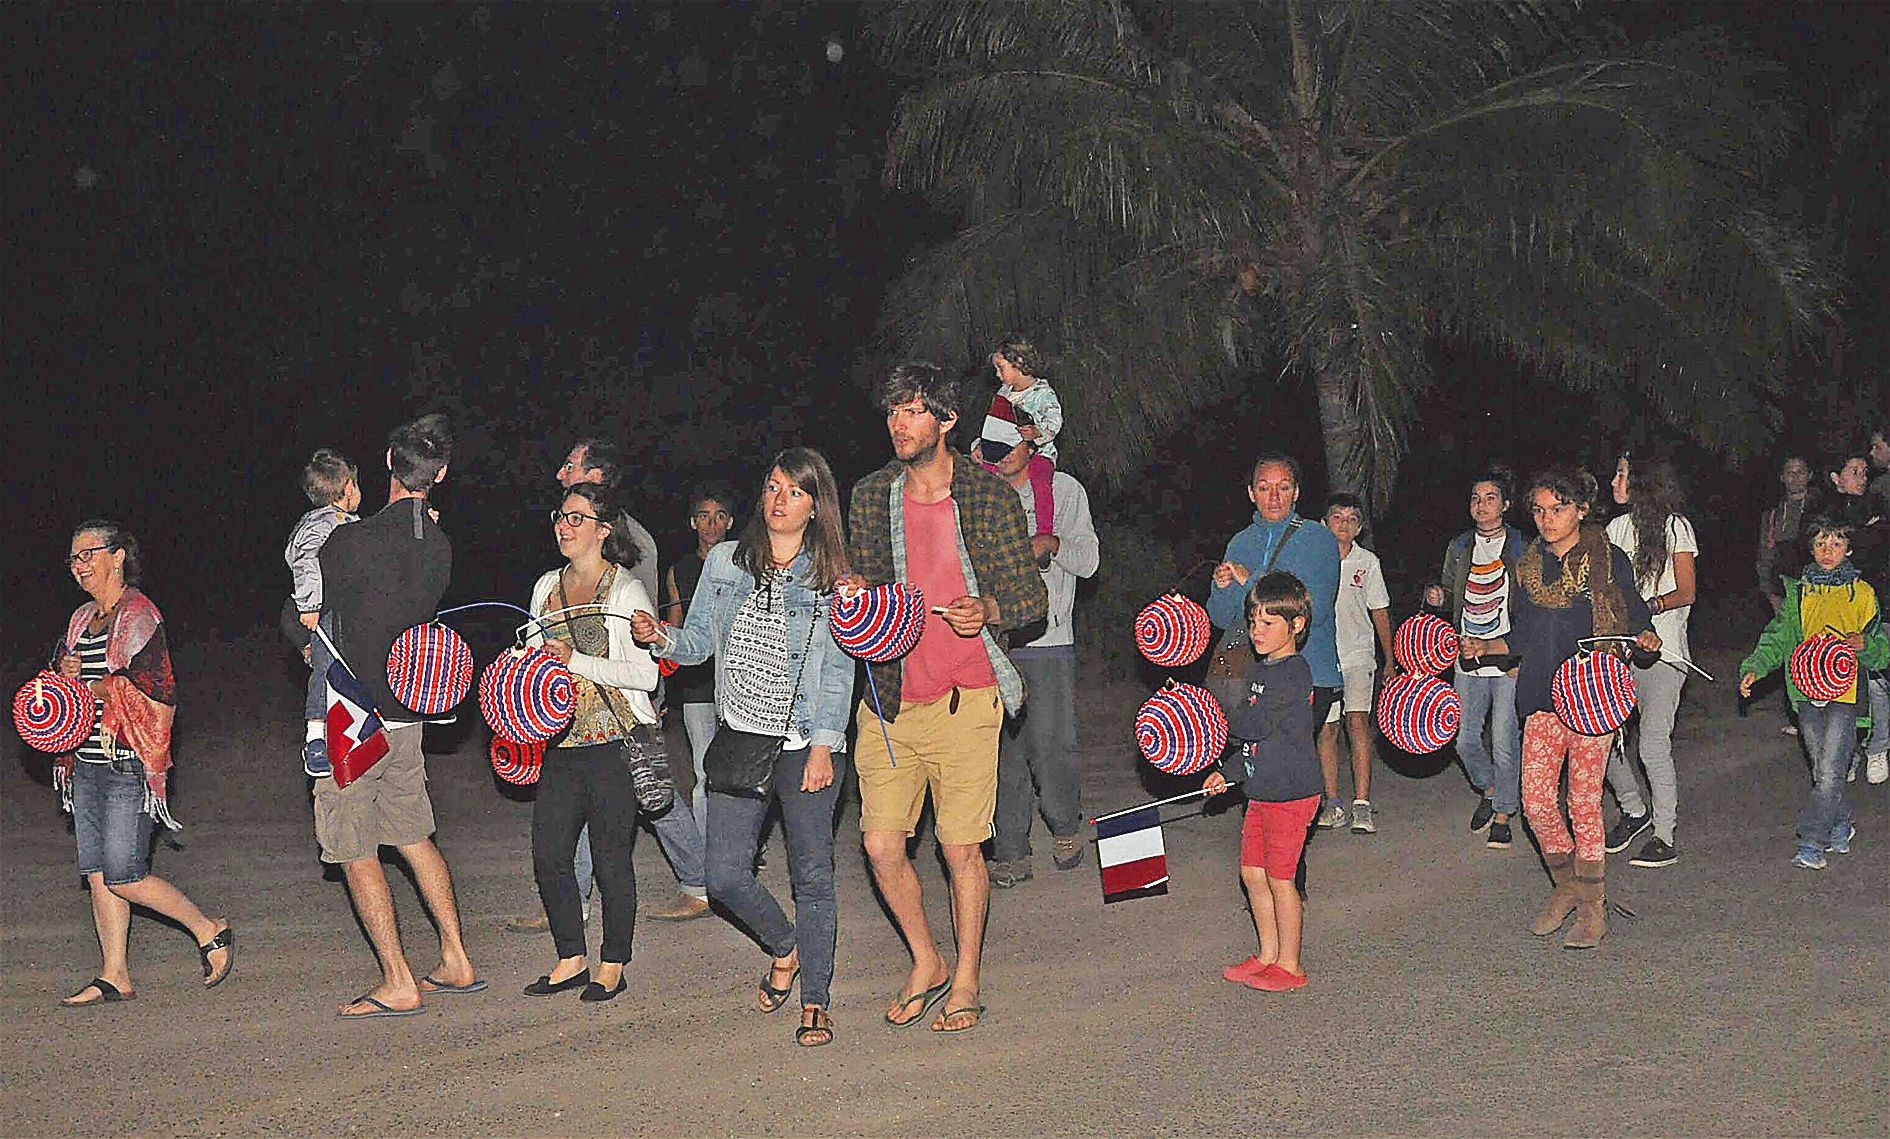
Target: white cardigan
{"points": [[629, 668]]}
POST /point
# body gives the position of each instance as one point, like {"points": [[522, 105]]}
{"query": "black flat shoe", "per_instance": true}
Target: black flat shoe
{"points": [[597, 993], [545, 986]]}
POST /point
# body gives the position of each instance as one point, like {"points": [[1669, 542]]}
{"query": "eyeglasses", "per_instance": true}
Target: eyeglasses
{"points": [[84, 557], [710, 515], [572, 518]]}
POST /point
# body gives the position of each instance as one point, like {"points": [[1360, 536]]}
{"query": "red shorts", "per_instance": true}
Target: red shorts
{"points": [[1274, 833]]}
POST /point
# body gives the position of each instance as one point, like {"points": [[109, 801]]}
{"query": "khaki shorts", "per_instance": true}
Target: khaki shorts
{"points": [[1359, 683], [386, 806], [954, 754]]}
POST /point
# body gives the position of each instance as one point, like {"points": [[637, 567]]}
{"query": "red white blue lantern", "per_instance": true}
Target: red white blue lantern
{"points": [[526, 695], [429, 669], [1593, 693], [1824, 667], [1419, 714], [1172, 631], [54, 713], [1181, 730], [881, 623], [1425, 644], [517, 762]]}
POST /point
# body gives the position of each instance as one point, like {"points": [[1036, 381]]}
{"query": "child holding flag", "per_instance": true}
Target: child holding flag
{"points": [[1270, 753]]}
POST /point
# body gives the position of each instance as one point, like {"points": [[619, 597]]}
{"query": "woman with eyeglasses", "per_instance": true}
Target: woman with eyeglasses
{"points": [[1575, 584], [115, 784], [586, 776], [761, 609], [711, 513]]}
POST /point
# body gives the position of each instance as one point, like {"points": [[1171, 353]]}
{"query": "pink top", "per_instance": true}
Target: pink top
{"points": [[943, 660]]}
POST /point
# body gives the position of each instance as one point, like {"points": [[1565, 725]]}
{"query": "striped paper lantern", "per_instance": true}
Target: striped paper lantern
{"points": [[526, 695], [429, 668], [1419, 714], [1593, 693], [54, 713], [1425, 644], [1824, 668], [1181, 729], [517, 762], [881, 623], [1172, 631]]}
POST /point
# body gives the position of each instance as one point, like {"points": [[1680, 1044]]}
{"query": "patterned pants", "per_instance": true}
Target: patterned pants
{"points": [[1546, 744]]}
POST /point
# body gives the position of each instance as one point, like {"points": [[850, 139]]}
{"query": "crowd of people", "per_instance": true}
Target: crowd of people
{"points": [[978, 720]]}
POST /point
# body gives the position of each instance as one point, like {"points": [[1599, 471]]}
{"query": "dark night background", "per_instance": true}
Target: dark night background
{"points": [[238, 233]]}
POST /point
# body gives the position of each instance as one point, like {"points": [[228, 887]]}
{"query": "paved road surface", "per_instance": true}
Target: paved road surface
{"points": [[1749, 998]]}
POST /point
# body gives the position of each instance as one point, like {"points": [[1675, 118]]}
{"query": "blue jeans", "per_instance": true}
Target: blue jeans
{"points": [[1829, 734], [807, 821], [1879, 741], [1494, 768], [676, 833], [315, 705], [109, 820], [699, 721], [1037, 751]]}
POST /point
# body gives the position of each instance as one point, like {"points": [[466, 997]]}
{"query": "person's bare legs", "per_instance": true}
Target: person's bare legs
{"points": [[971, 900], [1289, 915], [156, 894], [111, 916], [436, 891], [367, 885], [1328, 746], [898, 883], [1358, 725], [1265, 924]]}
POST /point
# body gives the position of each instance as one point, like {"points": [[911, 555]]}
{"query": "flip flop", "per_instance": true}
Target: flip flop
{"points": [[108, 993], [773, 998], [924, 1000], [943, 1024], [379, 1009], [224, 940], [439, 986]]}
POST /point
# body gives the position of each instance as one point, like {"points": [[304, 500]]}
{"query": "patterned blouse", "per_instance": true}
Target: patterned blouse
{"points": [[592, 722]]}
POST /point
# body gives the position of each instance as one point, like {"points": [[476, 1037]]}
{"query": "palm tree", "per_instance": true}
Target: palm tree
{"points": [[1186, 199]]}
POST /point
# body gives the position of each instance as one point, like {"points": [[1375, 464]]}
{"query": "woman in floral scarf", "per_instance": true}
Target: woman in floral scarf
{"points": [[1575, 584], [115, 784]]}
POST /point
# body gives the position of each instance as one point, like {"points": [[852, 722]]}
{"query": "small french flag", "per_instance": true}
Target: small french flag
{"points": [[1129, 847]]}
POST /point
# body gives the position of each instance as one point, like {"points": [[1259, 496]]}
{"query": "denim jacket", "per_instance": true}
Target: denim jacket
{"points": [[823, 702]]}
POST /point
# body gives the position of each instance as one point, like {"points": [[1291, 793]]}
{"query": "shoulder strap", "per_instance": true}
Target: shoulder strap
{"points": [[1291, 529]]}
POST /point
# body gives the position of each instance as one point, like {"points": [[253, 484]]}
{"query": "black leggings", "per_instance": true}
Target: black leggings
{"points": [[581, 785]]}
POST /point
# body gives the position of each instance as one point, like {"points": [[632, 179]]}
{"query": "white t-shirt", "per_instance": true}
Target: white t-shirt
{"points": [[1361, 589], [1671, 625], [1486, 595]]}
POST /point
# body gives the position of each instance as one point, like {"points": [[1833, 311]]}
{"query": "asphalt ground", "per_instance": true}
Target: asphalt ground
{"points": [[1746, 997]]}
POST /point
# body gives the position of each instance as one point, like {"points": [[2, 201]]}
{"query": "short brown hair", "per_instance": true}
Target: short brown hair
{"points": [[326, 475], [1020, 351], [1284, 596]]}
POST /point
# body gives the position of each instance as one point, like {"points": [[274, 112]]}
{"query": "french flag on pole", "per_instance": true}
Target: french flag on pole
{"points": [[1129, 847], [356, 738]]}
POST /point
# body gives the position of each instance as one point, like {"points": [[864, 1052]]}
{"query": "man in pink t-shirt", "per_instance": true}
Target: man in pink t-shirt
{"points": [[928, 723]]}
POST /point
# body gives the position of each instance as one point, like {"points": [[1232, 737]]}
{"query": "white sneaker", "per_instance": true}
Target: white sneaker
{"points": [[1877, 767], [1362, 821], [1331, 815]]}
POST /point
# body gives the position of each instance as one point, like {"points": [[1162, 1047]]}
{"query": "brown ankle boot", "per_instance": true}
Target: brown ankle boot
{"points": [[1561, 899], [1591, 907]]}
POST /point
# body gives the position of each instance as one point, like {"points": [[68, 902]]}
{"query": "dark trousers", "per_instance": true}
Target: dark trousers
{"points": [[580, 786], [807, 822], [1037, 753]]}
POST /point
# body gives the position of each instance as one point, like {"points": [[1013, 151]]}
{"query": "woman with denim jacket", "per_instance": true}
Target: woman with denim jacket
{"points": [[761, 608]]}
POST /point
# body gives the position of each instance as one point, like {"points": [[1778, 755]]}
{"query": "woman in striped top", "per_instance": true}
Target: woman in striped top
{"points": [[115, 784]]}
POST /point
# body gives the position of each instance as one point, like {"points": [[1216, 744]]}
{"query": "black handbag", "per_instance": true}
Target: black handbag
{"points": [[742, 763], [646, 750]]}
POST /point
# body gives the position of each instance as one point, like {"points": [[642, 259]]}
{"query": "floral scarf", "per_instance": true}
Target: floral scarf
{"points": [[1588, 569], [139, 696]]}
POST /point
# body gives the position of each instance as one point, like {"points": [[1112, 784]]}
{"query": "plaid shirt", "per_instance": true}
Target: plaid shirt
{"points": [[994, 549]]}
